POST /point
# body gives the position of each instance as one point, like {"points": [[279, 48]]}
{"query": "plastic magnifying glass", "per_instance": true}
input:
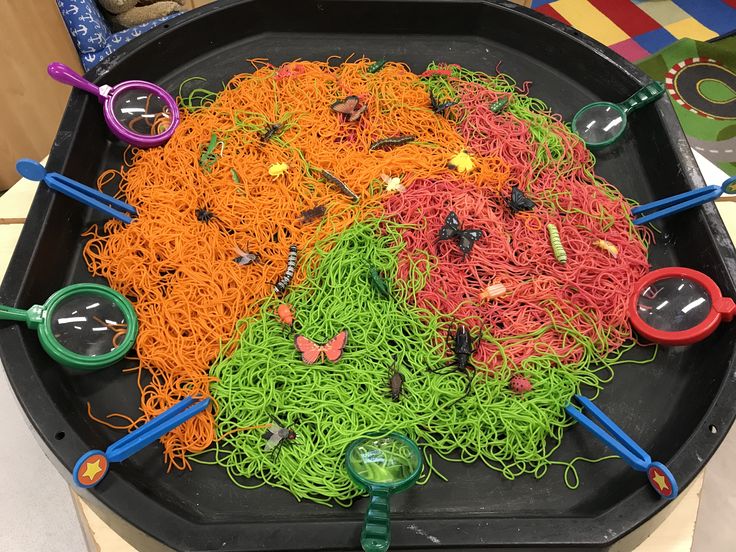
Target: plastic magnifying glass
{"points": [[383, 466], [678, 306], [82, 326], [602, 123], [138, 112]]}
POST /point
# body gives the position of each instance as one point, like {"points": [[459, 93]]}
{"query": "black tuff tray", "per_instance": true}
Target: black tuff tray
{"points": [[678, 408]]}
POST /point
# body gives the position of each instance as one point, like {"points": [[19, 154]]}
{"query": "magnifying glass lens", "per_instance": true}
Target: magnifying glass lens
{"points": [[88, 324], [599, 123], [384, 460], [674, 304], [142, 111]]}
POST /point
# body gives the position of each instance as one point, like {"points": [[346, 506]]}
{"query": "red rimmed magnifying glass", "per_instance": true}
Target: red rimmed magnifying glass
{"points": [[678, 306]]}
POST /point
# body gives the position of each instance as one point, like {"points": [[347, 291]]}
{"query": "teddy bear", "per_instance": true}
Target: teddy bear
{"points": [[130, 13]]}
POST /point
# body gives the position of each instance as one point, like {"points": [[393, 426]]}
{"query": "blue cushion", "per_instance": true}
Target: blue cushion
{"points": [[91, 33], [116, 40], [85, 23]]}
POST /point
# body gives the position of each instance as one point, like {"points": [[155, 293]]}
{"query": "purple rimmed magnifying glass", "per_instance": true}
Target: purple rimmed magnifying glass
{"points": [[138, 112]]}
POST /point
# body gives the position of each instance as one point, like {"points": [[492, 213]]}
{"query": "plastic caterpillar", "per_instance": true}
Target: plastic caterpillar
{"points": [[377, 66], [392, 141], [554, 240], [284, 281]]}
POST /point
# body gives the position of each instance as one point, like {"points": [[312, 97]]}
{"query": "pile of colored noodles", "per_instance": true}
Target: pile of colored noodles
{"points": [[208, 324]]}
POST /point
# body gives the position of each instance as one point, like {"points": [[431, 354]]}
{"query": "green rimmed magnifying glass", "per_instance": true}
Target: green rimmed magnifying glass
{"points": [[600, 124], [382, 465], [82, 326]]}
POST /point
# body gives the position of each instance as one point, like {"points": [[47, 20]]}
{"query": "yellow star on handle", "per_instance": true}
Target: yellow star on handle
{"points": [[660, 480], [92, 469]]}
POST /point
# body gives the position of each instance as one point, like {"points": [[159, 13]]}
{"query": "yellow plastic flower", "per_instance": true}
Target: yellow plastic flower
{"points": [[462, 163], [277, 169]]}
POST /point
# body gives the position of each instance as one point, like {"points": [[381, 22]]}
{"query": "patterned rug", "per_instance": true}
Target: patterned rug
{"points": [[637, 28]]}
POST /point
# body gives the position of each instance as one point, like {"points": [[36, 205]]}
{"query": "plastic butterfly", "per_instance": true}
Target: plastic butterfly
{"points": [[465, 238], [350, 107], [519, 202], [312, 353]]}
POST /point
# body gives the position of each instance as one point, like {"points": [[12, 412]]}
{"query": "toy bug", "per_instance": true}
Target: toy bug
{"points": [[244, 257], [452, 230], [286, 316], [463, 344], [312, 353], [556, 243], [393, 183], [520, 384], [276, 437], [607, 246], [395, 383], [332, 179], [392, 142], [285, 280], [350, 107], [498, 106], [271, 130], [378, 283], [518, 202], [204, 215], [310, 215], [492, 291], [437, 107], [208, 157], [376, 66]]}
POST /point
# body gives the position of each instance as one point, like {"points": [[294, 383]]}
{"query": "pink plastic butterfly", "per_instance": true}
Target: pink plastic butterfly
{"points": [[312, 353], [350, 107]]}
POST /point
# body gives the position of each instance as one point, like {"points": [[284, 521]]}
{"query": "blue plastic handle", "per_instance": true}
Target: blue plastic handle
{"points": [[681, 202], [33, 170], [155, 428], [660, 478], [624, 445]]}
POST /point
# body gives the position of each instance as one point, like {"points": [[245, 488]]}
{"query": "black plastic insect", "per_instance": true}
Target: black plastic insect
{"points": [[350, 107], [378, 282], [271, 129], [437, 107], [462, 343], [376, 66], [498, 106], [285, 280], [392, 142], [276, 437], [204, 215], [395, 383], [452, 230], [309, 215], [332, 179], [245, 258], [519, 202]]}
